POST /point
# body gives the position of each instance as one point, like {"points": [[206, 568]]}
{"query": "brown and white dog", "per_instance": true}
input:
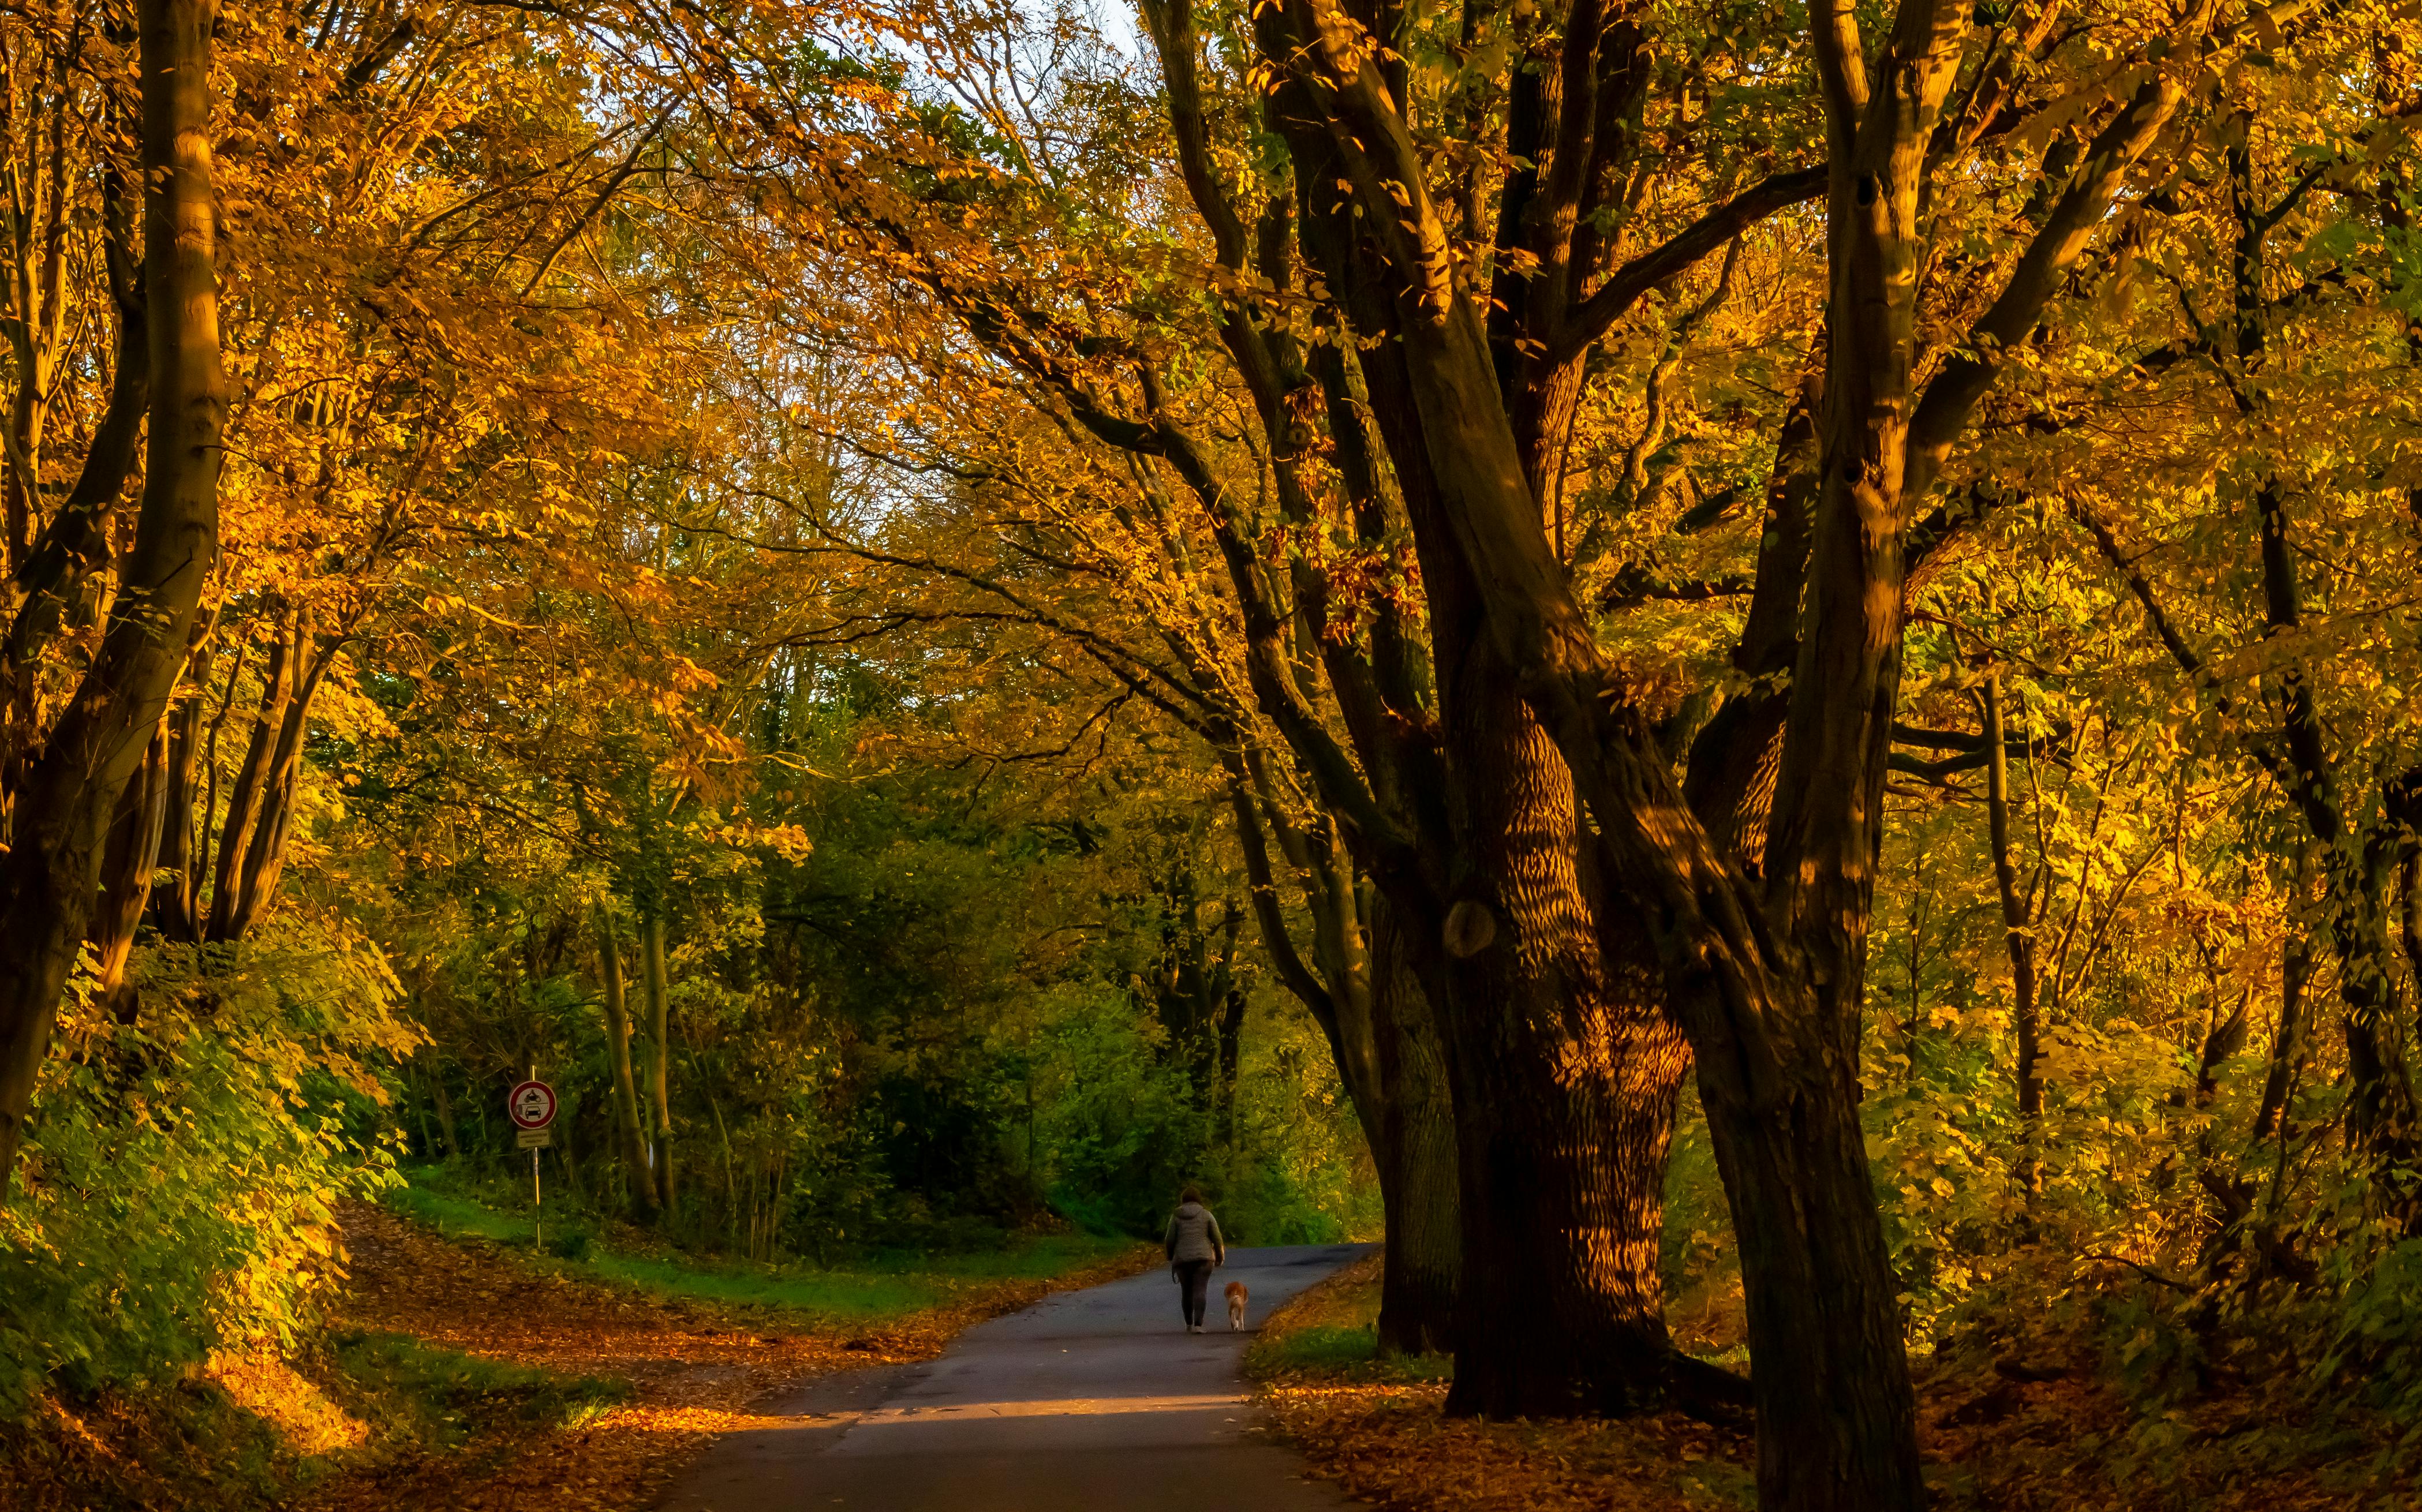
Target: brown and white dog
{"points": [[1236, 1307]]}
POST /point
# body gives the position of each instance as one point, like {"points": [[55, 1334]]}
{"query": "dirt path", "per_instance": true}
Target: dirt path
{"points": [[1093, 1401]]}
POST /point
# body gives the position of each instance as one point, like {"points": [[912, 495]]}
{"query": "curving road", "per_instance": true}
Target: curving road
{"points": [[1092, 1401]]}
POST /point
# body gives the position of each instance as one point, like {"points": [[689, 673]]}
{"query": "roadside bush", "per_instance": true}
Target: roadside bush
{"points": [[178, 1191]]}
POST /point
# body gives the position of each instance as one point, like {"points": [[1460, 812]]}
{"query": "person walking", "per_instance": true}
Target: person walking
{"points": [[1195, 1250]]}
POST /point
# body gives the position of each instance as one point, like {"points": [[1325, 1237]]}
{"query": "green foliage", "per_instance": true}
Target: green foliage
{"points": [[178, 1192], [943, 1025], [424, 1196], [1120, 1132], [875, 1285]]}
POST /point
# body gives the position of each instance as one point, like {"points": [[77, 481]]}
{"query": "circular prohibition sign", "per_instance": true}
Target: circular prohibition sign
{"points": [[531, 1105]]}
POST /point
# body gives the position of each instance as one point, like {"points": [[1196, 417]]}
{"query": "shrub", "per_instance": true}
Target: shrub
{"points": [[179, 1186]]}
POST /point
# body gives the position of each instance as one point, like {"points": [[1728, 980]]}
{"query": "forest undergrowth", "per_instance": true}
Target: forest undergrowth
{"points": [[469, 1371], [2026, 1416]]}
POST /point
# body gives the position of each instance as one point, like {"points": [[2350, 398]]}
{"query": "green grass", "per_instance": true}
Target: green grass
{"points": [[439, 1397], [873, 1289], [459, 1217], [1350, 1353], [1333, 1335]]}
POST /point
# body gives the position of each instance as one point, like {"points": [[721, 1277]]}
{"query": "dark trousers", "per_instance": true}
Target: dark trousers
{"points": [[1193, 1282]]}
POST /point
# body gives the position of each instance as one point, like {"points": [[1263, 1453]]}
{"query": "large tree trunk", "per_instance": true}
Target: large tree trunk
{"points": [[1836, 1410], [1232, 1056], [630, 1134], [1422, 1184], [1563, 1072], [651, 968], [1566, 1069], [50, 876]]}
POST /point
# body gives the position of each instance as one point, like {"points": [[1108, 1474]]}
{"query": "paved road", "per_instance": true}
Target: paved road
{"points": [[1092, 1401]]}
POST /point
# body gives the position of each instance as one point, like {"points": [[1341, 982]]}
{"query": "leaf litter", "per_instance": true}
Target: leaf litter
{"points": [[575, 1392]]}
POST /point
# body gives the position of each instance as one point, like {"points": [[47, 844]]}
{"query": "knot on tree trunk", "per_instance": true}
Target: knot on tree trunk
{"points": [[1471, 928]]}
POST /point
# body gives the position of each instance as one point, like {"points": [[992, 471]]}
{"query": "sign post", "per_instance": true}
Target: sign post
{"points": [[531, 1106]]}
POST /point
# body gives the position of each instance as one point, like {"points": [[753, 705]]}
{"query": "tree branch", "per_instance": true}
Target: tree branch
{"points": [[1628, 284]]}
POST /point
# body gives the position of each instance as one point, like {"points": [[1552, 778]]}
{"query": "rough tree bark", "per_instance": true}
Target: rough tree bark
{"points": [[1562, 1166], [1422, 1286], [1767, 979], [1567, 1069], [49, 877]]}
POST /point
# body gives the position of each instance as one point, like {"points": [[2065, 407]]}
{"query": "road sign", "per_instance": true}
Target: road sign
{"points": [[531, 1104], [533, 1139]]}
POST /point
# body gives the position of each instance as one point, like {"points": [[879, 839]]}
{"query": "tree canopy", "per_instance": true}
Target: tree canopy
{"points": [[1647, 648]]}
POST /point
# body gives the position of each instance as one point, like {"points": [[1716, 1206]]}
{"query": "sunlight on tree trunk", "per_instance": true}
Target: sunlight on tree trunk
{"points": [[49, 876]]}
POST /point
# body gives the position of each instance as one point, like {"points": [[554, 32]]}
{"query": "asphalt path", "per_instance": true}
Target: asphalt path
{"points": [[1091, 1401]]}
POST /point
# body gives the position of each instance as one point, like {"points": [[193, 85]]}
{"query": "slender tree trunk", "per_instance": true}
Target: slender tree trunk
{"points": [[428, 1146], [723, 1137], [1384, 1038], [181, 913], [2380, 1102], [567, 1151], [249, 794], [1232, 1054], [50, 873], [2288, 1045], [127, 865], [260, 807], [2016, 936], [631, 1136], [173, 909], [74, 544], [2225, 1038], [651, 959], [444, 1106], [264, 852], [2410, 918]]}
